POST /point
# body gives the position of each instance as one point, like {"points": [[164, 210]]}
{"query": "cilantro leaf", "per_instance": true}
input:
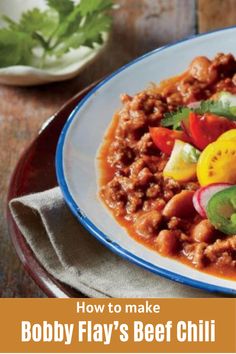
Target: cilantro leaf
{"points": [[65, 25], [175, 118], [63, 7], [216, 107], [90, 33], [88, 7], [10, 51], [93, 27], [70, 24], [14, 47], [32, 20], [11, 24]]}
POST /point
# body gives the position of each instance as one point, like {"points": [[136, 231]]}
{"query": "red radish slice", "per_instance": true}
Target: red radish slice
{"points": [[203, 195], [196, 203]]}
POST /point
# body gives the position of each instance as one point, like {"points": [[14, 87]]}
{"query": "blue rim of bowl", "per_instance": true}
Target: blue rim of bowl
{"points": [[88, 224]]}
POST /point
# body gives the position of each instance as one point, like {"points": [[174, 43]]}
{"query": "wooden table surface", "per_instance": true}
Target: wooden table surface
{"points": [[138, 26]]}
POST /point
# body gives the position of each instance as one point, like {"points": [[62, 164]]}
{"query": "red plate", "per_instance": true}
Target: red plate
{"points": [[35, 172]]}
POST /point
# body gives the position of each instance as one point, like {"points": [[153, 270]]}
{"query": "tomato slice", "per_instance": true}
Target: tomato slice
{"points": [[207, 128], [164, 138]]}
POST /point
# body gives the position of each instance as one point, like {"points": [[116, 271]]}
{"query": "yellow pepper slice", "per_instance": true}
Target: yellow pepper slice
{"points": [[229, 135], [182, 163], [217, 163]]}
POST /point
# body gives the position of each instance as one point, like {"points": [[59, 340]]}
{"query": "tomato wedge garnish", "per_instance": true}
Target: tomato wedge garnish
{"points": [[207, 128], [164, 138]]}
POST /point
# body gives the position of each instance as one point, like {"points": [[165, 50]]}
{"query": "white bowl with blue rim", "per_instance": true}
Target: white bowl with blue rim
{"points": [[76, 164]]}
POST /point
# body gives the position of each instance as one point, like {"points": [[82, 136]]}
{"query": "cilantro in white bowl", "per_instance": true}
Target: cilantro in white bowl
{"points": [[49, 40]]}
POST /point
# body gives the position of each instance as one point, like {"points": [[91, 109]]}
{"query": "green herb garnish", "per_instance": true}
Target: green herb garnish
{"points": [[219, 108], [53, 32], [216, 107], [173, 119]]}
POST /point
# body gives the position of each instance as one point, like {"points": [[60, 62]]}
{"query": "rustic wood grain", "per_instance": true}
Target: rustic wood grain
{"points": [[213, 14], [139, 26]]}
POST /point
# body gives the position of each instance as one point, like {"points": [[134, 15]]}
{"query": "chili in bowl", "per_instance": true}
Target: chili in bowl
{"points": [[168, 165]]}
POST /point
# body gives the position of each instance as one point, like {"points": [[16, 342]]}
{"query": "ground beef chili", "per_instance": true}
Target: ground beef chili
{"points": [[159, 212]]}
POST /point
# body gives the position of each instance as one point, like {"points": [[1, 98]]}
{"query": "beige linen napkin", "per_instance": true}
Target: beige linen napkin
{"points": [[72, 255]]}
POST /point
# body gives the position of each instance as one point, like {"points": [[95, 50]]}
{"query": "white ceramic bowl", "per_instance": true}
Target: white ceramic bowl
{"points": [[83, 133], [70, 65]]}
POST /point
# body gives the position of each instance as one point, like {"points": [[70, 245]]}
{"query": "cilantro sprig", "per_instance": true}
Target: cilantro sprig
{"points": [[174, 119], [216, 107], [63, 26]]}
